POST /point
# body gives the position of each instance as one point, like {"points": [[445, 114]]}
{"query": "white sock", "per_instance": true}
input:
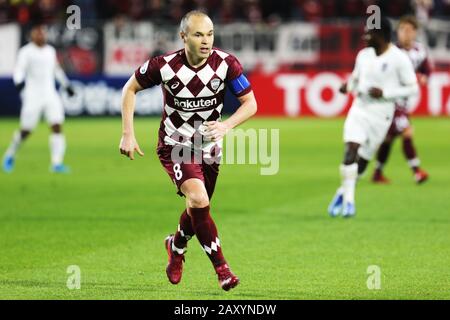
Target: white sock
{"points": [[379, 165], [349, 174], [414, 163], [14, 146], [57, 143], [178, 250]]}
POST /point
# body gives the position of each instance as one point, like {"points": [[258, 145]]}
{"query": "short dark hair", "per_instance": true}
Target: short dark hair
{"points": [[36, 23], [385, 29], [409, 19]]}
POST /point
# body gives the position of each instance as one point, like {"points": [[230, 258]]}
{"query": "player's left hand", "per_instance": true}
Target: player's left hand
{"points": [[376, 93], [70, 91], [215, 130], [423, 79]]}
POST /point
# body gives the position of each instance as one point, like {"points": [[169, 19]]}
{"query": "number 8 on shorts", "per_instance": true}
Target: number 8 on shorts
{"points": [[177, 171]]}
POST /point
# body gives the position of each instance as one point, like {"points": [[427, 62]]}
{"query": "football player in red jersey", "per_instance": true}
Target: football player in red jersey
{"points": [[193, 80], [407, 34]]}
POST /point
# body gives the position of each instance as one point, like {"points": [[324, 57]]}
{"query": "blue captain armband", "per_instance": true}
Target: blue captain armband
{"points": [[239, 84]]}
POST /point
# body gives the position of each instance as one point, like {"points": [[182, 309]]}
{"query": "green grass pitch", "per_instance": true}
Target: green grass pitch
{"points": [[110, 217]]}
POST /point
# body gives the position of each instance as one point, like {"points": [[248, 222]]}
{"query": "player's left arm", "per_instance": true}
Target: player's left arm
{"points": [[62, 79], [216, 130], [239, 85], [408, 82], [424, 71]]}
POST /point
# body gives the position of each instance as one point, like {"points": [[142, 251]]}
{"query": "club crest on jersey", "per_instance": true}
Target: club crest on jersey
{"points": [[215, 83], [144, 68], [384, 67]]}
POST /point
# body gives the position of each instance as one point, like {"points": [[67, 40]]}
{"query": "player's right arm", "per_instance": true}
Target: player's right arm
{"points": [[20, 70], [128, 143], [352, 81], [146, 76]]}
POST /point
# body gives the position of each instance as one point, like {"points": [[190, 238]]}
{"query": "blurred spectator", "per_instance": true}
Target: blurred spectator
{"points": [[352, 9], [396, 8], [227, 13], [441, 8], [20, 11], [88, 11], [5, 11], [252, 11], [222, 11], [48, 11], [312, 10], [423, 10]]}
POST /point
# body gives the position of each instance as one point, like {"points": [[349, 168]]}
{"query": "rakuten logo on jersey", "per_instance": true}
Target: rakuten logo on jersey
{"points": [[190, 104]]}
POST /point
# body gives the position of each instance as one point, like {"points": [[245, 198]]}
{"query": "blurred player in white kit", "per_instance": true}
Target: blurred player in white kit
{"points": [[383, 74], [401, 124], [35, 72]]}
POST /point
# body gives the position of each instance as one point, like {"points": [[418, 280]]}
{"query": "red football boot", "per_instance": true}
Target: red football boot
{"points": [[174, 267], [227, 280], [420, 176], [379, 178]]}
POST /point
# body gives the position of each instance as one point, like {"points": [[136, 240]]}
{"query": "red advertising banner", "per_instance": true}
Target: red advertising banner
{"points": [[298, 94]]}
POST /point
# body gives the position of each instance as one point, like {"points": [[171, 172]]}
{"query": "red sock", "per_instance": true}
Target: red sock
{"points": [[206, 232], [184, 232], [410, 154]]}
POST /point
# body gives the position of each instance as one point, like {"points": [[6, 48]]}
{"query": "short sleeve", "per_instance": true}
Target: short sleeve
{"points": [[234, 68], [425, 67], [237, 81], [149, 75]]}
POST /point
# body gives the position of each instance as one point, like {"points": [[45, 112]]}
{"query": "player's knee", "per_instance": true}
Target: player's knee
{"points": [[389, 138], [351, 153], [56, 128], [198, 199], [362, 165], [24, 134], [407, 133]]}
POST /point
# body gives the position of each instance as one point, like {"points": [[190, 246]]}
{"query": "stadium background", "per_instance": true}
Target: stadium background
{"points": [[110, 215], [288, 49]]}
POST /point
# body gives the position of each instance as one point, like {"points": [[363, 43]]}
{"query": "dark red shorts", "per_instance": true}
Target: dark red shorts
{"points": [[180, 171], [400, 122]]}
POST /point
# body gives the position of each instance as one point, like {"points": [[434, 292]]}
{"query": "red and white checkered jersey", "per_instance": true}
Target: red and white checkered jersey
{"points": [[418, 55], [191, 95]]}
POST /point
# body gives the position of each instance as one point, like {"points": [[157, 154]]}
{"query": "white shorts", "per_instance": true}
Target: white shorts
{"points": [[33, 107], [367, 129]]}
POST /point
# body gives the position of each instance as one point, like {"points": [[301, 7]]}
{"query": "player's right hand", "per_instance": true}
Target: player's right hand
{"points": [[70, 91], [20, 86], [128, 145], [376, 93], [343, 88]]}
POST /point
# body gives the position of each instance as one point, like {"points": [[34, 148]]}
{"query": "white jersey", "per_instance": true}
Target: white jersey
{"points": [[369, 119], [38, 67], [392, 72]]}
